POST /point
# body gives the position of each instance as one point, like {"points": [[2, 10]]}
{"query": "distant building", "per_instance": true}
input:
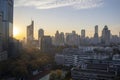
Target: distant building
{"points": [[57, 38], [46, 44], [114, 39], [30, 33], [40, 35], [82, 33], [36, 43], [72, 56], [72, 39], [96, 70], [96, 37], [106, 34], [62, 39]]}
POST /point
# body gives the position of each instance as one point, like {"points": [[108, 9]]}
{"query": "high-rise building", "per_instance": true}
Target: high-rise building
{"points": [[96, 37], [96, 31], [72, 39], [57, 38], [61, 39], [6, 8], [40, 33], [106, 33], [6, 27], [46, 44], [30, 33], [82, 33]]}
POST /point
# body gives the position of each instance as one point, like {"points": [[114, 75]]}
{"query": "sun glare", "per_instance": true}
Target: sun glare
{"points": [[15, 31]]}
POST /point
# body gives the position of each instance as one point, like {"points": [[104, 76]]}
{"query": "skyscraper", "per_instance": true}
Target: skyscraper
{"points": [[46, 44], [96, 37], [57, 38], [106, 33], [61, 39], [40, 33], [96, 31], [6, 8], [30, 33], [82, 33]]}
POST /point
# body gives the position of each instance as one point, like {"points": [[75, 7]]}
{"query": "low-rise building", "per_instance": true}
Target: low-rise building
{"points": [[96, 70], [72, 56]]}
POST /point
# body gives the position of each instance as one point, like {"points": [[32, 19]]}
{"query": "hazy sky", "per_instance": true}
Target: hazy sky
{"points": [[66, 15]]}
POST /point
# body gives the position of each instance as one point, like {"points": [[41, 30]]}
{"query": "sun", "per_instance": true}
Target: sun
{"points": [[15, 31]]}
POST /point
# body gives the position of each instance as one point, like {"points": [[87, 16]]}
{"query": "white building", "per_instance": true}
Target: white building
{"points": [[75, 56]]}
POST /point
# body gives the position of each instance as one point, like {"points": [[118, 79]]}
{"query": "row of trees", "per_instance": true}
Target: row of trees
{"points": [[30, 59]]}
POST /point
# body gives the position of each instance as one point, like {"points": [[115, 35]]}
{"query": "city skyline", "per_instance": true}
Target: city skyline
{"points": [[65, 17]]}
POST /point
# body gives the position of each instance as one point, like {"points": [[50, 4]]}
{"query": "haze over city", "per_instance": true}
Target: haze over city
{"points": [[59, 40], [66, 15]]}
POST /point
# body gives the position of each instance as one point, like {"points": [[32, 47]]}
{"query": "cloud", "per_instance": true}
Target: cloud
{"points": [[49, 4]]}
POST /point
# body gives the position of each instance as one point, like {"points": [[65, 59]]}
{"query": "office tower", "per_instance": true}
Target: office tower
{"points": [[46, 44], [96, 38], [61, 39], [106, 33], [96, 31], [72, 39], [82, 33], [57, 38], [6, 8], [40, 33], [30, 33]]}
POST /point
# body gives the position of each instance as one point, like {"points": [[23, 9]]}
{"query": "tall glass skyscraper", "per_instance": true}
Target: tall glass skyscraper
{"points": [[30, 33], [6, 9]]}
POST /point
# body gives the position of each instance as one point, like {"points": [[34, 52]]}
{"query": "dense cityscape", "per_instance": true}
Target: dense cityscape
{"points": [[64, 56]]}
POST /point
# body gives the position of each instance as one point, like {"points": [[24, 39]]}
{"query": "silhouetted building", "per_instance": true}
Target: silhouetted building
{"points": [[72, 39], [30, 33], [83, 38], [57, 38], [96, 70], [61, 39], [46, 44], [82, 33], [96, 37], [106, 36], [40, 35]]}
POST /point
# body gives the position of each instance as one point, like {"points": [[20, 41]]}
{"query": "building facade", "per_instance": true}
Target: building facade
{"points": [[40, 33], [6, 8], [106, 34], [96, 70], [82, 33], [96, 37], [46, 44], [30, 33]]}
